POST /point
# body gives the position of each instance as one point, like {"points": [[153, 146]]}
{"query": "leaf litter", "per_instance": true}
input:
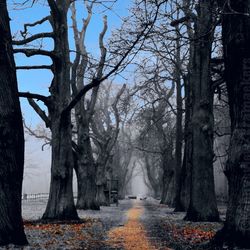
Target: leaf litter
{"points": [[139, 225]]}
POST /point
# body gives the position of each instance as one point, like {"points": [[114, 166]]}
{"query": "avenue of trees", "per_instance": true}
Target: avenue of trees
{"points": [[187, 65]]}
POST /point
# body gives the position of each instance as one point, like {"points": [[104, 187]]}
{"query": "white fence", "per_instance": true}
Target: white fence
{"points": [[38, 196]]}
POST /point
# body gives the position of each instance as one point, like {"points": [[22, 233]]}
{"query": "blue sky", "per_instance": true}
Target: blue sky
{"points": [[38, 81]]}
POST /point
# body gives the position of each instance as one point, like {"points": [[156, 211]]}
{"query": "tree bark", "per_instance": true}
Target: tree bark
{"points": [[101, 179], [154, 182], [168, 178], [86, 173], [185, 183], [179, 136], [202, 205], [236, 40], [185, 188], [61, 205], [11, 141], [187, 158], [170, 194], [167, 182]]}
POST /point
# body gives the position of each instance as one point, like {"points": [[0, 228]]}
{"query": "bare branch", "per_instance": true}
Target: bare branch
{"points": [[24, 33], [114, 133], [100, 66], [114, 105], [40, 112], [34, 52], [80, 94], [102, 48], [125, 55], [45, 144], [78, 54], [181, 20], [97, 82], [39, 97], [49, 67], [34, 37], [35, 134]]}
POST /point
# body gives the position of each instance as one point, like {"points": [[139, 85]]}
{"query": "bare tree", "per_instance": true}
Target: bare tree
{"points": [[153, 174], [236, 38], [11, 141], [168, 47], [85, 109], [85, 165], [60, 103], [199, 117], [156, 136], [60, 204], [124, 154], [202, 207], [105, 126]]}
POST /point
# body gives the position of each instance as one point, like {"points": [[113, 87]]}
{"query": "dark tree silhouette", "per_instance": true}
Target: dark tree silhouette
{"points": [[236, 40], [60, 204], [11, 141], [202, 206]]}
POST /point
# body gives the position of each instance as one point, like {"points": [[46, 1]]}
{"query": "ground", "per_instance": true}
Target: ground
{"points": [[134, 224]]}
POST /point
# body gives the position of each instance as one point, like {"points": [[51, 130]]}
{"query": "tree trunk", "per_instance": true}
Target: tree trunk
{"points": [[101, 179], [170, 193], [167, 179], [86, 174], [179, 137], [61, 203], [168, 182], [121, 192], [236, 40], [187, 158], [102, 199], [202, 205], [11, 141], [157, 191], [185, 186], [153, 181]]}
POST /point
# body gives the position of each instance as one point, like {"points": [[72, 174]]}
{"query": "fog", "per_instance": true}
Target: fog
{"points": [[37, 170], [36, 166], [138, 186]]}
